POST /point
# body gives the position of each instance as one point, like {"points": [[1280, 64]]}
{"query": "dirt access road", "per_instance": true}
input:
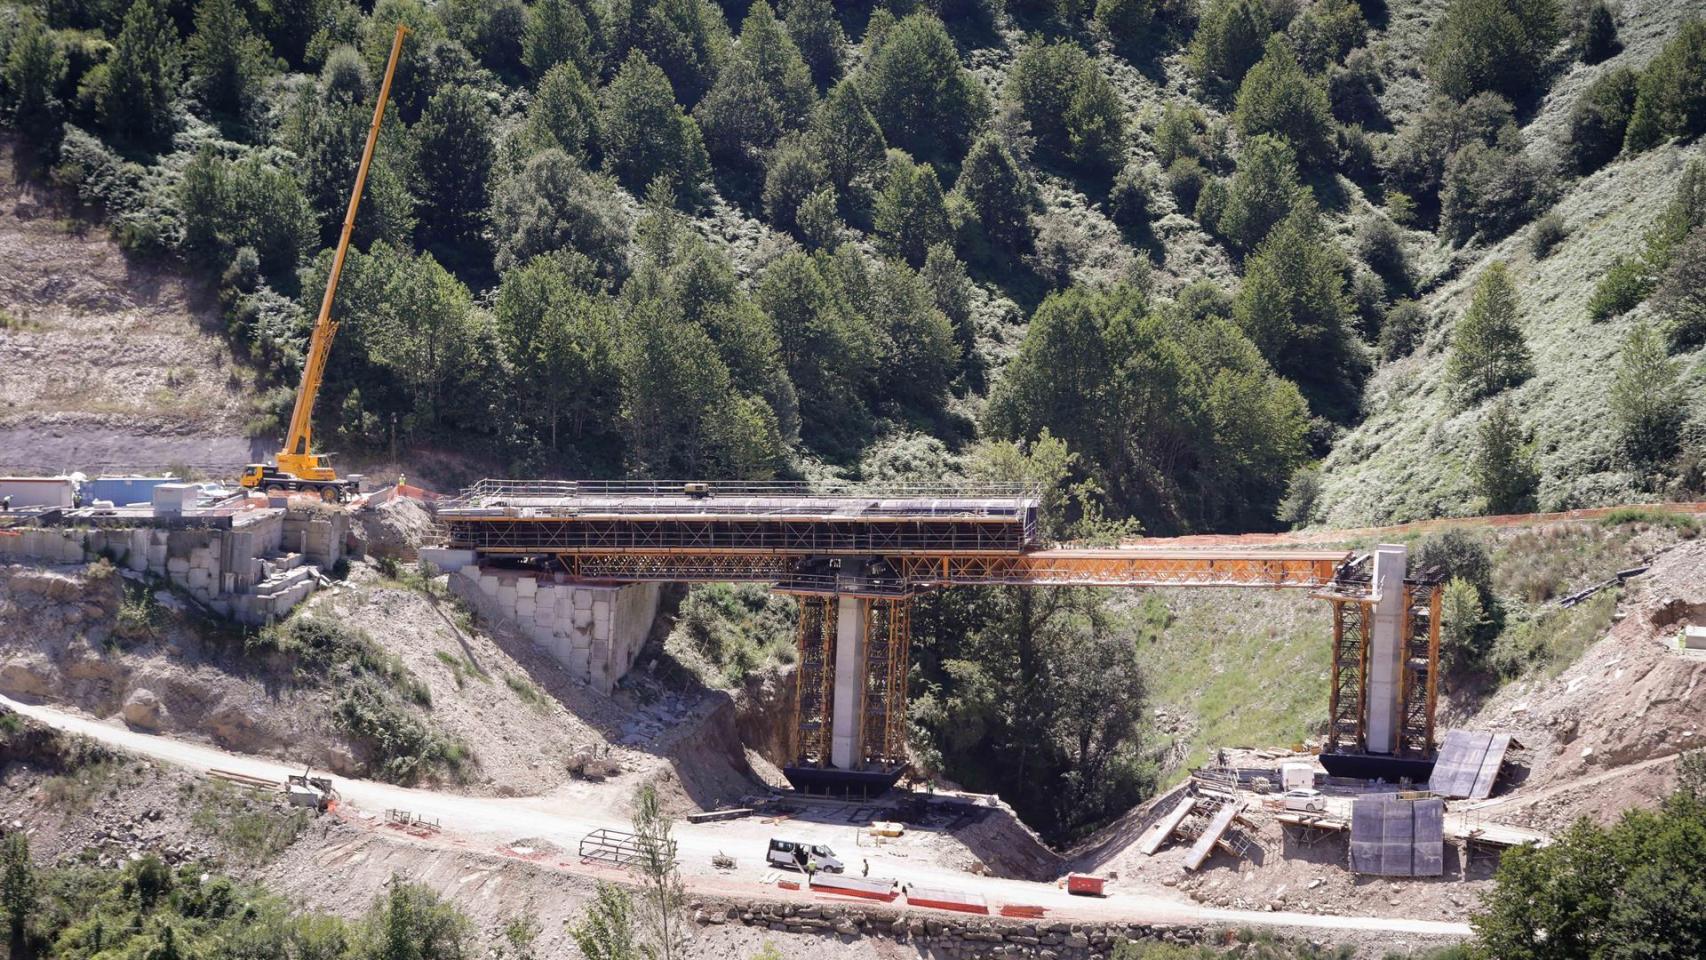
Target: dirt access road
{"points": [[493, 823]]}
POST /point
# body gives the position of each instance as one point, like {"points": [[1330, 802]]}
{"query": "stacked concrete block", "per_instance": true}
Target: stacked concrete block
{"points": [[594, 631]]}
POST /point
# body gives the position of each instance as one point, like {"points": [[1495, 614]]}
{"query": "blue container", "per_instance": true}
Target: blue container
{"points": [[122, 490]]}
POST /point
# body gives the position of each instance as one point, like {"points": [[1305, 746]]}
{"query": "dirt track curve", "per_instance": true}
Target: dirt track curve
{"points": [[489, 823]]}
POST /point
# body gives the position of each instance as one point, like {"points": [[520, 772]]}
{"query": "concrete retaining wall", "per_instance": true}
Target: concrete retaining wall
{"points": [[594, 631]]}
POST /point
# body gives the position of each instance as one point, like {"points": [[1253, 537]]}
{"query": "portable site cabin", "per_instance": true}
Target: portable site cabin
{"points": [[39, 491]]}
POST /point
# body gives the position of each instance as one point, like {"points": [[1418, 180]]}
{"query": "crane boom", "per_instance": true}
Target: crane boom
{"points": [[297, 461]]}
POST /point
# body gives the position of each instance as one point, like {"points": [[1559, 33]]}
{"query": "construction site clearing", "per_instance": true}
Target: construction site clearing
{"points": [[1207, 838]]}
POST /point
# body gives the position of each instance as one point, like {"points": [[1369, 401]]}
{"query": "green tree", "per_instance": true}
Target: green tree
{"points": [[558, 32], [829, 352], [1599, 34], [1416, 163], [920, 354], [1671, 96], [1277, 98], [848, 139], [951, 290], [563, 114], [1502, 465], [135, 94], [819, 37], [796, 173], [1647, 401], [646, 134], [819, 224], [1228, 41], [553, 203], [1292, 306], [926, 102], [1071, 108], [1323, 33], [326, 127], [999, 194], [228, 63], [606, 930], [1680, 296], [30, 76], [1488, 352], [1599, 119], [454, 156], [409, 922], [1264, 190], [1459, 555], [1633, 889], [911, 214], [227, 205], [663, 899], [1490, 191], [17, 887], [763, 91], [1463, 624], [559, 338], [1402, 330], [1493, 45], [1125, 23], [687, 38]]}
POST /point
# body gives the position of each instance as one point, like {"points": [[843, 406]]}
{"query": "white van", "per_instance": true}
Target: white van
{"points": [[795, 856]]}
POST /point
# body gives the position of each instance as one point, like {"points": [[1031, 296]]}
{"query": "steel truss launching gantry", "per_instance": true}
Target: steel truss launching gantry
{"points": [[856, 557]]}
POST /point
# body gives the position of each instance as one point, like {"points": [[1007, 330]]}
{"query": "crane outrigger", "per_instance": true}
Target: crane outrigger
{"points": [[297, 467]]}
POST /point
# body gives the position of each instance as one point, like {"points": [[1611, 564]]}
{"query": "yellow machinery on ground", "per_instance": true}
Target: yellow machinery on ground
{"points": [[298, 468]]}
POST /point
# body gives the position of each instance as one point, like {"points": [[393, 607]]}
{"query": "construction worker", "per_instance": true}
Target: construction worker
{"points": [[6, 504], [811, 869], [865, 868]]}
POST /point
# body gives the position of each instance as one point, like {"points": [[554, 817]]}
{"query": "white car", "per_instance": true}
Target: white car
{"points": [[1305, 801]]}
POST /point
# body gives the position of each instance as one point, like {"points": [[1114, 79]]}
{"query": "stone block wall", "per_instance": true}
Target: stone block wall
{"points": [[595, 631], [939, 935], [237, 572]]}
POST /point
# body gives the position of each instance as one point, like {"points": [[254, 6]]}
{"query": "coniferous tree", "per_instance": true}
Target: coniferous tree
{"points": [[819, 37], [910, 214], [1277, 98], [553, 203], [687, 39], [558, 32], [135, 95], [1502, 465], [1292, 305], [454, 158], [1671, 97], [926, 102], [1647, 401], [1599, 120], [1228, 41], [1599, 34], [30, 77], [561, 338], [1488, 352], [1493, 45], [848, 138], [227, 61], [563, 114], [1263, 190], [646, 134], [17, 887], [999, 194], [763, 91]]}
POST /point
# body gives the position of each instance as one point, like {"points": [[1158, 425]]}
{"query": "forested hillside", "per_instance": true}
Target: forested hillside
{"points": [[1214, 265]]}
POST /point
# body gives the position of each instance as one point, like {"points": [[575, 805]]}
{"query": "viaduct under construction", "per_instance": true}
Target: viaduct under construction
{"points": [[856, 557]]}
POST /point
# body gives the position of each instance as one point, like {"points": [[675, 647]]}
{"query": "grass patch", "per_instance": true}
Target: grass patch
{"points": [[404, 748], [461, 668], [1684, 524], [1549, 643], [320, 649], [1228, 668], [249, 825], [529, 694], [77, 789], [12, 322]]}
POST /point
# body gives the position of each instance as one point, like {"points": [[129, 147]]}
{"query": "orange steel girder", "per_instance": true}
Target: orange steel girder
{"points": [[1130, 567]]}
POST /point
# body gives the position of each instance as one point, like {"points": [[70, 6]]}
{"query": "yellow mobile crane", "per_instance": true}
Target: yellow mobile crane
{"points": [[298, 467]]}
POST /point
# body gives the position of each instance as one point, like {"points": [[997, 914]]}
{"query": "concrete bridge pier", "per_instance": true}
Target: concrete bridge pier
{"points": [[1386, 649], [847, 726]]}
